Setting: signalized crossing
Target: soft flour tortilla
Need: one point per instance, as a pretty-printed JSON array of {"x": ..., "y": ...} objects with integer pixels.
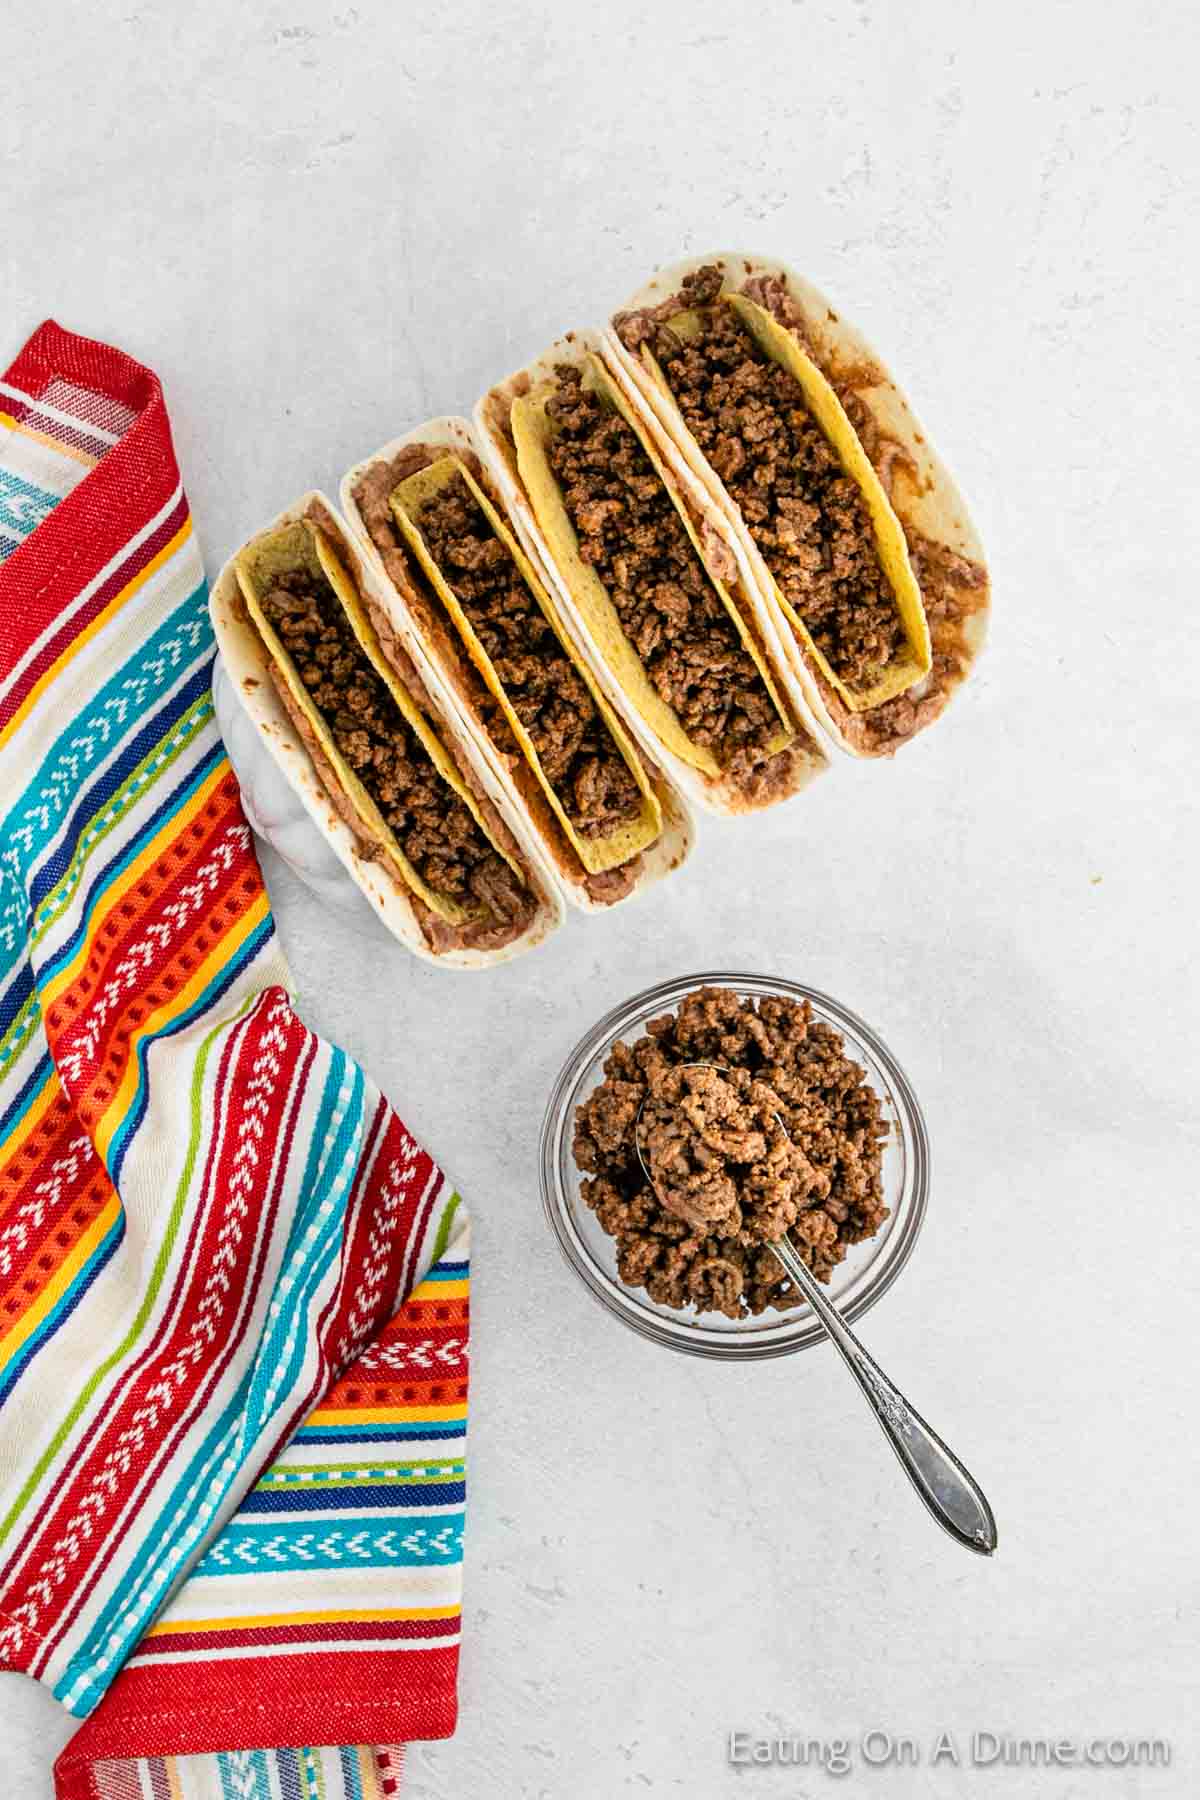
[
  {"x": 927, "y": 544},
  {"x": 515, "y": 427},
  {"x": 434, "y": 926}
]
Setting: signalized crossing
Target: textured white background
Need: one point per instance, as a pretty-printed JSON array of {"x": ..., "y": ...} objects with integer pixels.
[{"x": 321, "y": 224}]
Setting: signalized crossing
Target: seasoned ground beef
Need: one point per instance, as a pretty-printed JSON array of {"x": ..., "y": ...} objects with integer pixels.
[
  {"x": 630, "y": 532},
  {"x": 581, "y": 760},
  {"x": 717, "y": 1153},
  {"x": 436, "y": 830},
  {"x": 808, "y": 518},
  {"x": 784, "y": 1135},
  {"x": 373, "y": 496}
]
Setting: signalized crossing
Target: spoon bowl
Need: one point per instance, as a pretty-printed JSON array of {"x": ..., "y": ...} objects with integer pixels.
[{"x": 944, "y": 1484}]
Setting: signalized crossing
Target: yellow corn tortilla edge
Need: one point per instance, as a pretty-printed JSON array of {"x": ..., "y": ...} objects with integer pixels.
[{"x": 406, "y": 500}]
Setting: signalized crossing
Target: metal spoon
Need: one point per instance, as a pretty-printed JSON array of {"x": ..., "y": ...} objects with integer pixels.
[{"x": 948, "y": 1489}]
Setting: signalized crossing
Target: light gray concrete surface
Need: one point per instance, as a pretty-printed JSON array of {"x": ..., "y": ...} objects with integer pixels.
[{"x": 321, "y": 224}]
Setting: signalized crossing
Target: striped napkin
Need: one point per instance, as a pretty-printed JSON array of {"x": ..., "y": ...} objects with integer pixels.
[{"x": 233, "y": 1289}]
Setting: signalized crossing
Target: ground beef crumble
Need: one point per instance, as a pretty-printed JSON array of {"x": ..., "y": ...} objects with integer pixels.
[
  {"x": 808, "y": 518},
  {"x": 630, "y": 532},
  {"x": 372, "y": 495},
  {"x": 578, "y": 753},
  {"x": 437, "y": 831},
  {"x": 785, "y": 1135}
]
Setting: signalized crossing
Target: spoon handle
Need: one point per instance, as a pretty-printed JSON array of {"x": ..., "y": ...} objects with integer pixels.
[{"x": 950, "y": 1491}]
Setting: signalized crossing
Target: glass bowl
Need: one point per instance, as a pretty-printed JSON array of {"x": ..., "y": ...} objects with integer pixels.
[{"x": 870, "y": 1267}]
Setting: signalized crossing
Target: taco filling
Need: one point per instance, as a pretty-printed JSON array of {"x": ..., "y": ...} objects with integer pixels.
[
  {"x": 586, "y": 766},
  {"x": 811, "y": 520},
  {"x": 465, "y": 891},
  {"x": 372, "y": 496},
  {"x": 695, "y": 1169},
  {"x": 631, "y": 534}
]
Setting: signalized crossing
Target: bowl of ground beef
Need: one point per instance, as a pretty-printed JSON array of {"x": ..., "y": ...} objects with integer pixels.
[{"x": 702, "y": 1119}]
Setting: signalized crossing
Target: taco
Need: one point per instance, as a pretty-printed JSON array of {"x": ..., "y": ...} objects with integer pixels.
[
  {"x": 404, "y": 800},
  {"x": 462, "y": 592},
  {"x": 646, "y": 567},
  {"x": 860, "y": 543}
]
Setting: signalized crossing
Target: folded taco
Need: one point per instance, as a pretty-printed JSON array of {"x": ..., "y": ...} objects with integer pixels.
[
  {"x": 463, "y": 592},
  {"x": 860, "y": 543},
  {"x": 404, "y": 799},
  {"x": 646, "y": 566}
]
